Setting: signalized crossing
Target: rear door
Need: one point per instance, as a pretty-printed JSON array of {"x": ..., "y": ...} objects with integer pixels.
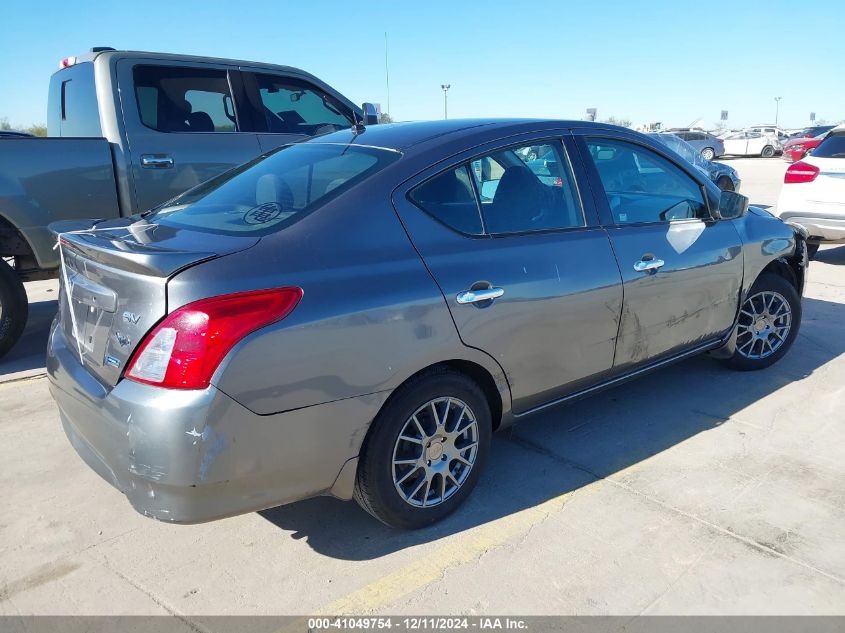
[
  {"x": 527, "y": 273},
  {"x": 288, "y": 108},
  {"x": 682, "y": 271},
  {"x": 184, "y": 123}
]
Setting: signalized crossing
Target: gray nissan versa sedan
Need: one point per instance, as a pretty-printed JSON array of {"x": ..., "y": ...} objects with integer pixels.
[{"x": 356, "y": 314}]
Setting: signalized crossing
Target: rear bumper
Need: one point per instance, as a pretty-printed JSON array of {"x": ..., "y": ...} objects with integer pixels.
[
  {"x": 819, "y": 228},
  {"x": 194, "y": 456}
]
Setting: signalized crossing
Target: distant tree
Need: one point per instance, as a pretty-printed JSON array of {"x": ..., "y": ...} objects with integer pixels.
[
  {"x": 384, "y": 117},
  {"x": 4, "y": 124},
  {"x": 612, "y": 120},
  {"x": 37, "y": 129}
]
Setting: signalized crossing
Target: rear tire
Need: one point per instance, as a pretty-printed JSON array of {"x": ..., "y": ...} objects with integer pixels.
[
  {"x": 410, "y": 483},
  {"x": 768, "y": 323},
  {"x": 708, "y": 153},
  {"x": 768, "y": 151},
  {"x": 14, "y": 307}
]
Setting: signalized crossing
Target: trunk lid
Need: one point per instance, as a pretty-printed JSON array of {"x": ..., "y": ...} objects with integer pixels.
[{"x": 113, "y": 286}]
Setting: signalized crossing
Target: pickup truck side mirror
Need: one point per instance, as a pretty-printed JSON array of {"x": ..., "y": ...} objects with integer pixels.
[
  {"x": 731, "y": 206},
  {"x": 370, "y": 114}
]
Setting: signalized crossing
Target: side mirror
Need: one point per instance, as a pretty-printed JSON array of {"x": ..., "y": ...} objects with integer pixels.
[
  {"x": 370, "y": 114},
  {"x": 731, "y": 206}
]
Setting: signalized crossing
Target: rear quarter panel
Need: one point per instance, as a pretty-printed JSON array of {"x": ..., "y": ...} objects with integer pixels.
[
  {"x": 43, "y": 180},
  {"x": 371, "y": 315}
]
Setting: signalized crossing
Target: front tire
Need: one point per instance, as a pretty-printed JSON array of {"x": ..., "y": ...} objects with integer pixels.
[
  {"x": 812, "y": 249},
  {"x": 708, "y": 153},
  {"x": 425, "y": 450},
  {"x": 768, "y": 323},
  {"x": 768, "y": 151}
]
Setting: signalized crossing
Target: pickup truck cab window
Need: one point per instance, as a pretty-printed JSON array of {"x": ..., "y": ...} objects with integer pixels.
[
  {"x": 290, "y": 106},
  {"x": 642, "y": 186},
  {"x": 174, "y": 99}
]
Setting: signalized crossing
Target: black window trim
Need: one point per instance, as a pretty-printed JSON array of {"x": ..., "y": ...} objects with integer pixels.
[
  {"x": 232, "y": 94},
  {"x": 465, "y": 163},
  {"x": 613, "y": 224}
]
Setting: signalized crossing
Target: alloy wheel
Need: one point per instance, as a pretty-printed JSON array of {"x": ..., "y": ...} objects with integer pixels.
[
  {"x": 764, "y": 324},
  {"x": 435, "y": 452}
]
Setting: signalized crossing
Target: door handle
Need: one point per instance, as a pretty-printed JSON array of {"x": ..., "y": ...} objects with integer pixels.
[
  {"x": 156, "y": 161},
  {"x": 647, "y": 265},
  {"x": 483, "y": 294}
]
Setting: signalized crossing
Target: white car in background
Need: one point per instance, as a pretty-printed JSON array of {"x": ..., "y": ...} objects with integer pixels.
[
  {"x": 813, "y": 193},
  {"x": 751, "y": 143}
]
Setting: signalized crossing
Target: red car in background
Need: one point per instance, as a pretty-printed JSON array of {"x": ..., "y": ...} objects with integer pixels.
[{"x": 796, "y": 148}]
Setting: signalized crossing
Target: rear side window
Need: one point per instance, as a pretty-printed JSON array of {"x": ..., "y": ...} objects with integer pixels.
[
  {"x": 273, "y": 191},
  {"x": 449, "y": 198},
  {"x": 173, "y": 99},
  {"x": 517, "y": 190},
  {"x": 295, "y": 107},
  {"x": 831, "y": 147},
  {"x": 642, "y": 186}
]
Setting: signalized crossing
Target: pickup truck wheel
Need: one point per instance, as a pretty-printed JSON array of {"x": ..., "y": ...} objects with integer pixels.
[
  {"x": 425, "y": 451},
  {"x": 14, "y": 307},
  {"x": 768, "y": 323}
]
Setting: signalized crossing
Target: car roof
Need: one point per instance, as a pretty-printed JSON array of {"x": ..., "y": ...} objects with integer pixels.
[{"x": 403, "y": 136}]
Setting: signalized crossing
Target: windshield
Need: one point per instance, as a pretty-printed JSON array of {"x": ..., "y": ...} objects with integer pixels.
[{"x": 274, "y": 191}]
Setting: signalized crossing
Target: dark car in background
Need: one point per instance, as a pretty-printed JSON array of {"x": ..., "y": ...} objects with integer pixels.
[
  {"x": 724, "y": 176},
  {"x": 14, "y": 134},
  {"x": 812, "y": 132},
  {"x": 351, "y": 315},
  {"x": 705, "y": 143}
]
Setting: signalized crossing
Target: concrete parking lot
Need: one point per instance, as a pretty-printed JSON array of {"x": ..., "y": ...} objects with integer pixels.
[{"x": 696, "y": 490}]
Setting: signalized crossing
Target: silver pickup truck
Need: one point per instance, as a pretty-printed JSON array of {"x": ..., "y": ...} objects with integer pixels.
[{"x": 129, "y": 130}]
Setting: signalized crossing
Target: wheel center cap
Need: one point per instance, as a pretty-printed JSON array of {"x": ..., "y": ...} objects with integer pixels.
[
  {"x": 760, "y": 325},
  {"x": 434, "y": 451}
]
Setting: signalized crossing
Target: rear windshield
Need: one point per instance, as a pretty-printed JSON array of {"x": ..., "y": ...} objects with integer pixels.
[
  {"x": 831, "y": 147},
  {"x": 274, "y": 191}
]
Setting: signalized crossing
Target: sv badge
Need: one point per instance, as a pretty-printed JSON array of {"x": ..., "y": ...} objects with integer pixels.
[{"x": 131, "y": 317}]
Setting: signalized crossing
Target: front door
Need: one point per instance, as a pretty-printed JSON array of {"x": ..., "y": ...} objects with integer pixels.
[
  {"x": 528, "y": 277},
  {"x": 682, "y": 271},
  {"x": 183, "y": 127}
]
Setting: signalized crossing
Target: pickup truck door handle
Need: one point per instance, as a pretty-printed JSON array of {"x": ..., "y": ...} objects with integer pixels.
[
  {"x": 156, "y": 161},
  {"x": 483, "y": 294},
  {"x": 648, "y": 263}
]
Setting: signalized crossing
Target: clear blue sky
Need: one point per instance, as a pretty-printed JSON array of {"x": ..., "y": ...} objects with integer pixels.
[{"x": 662, "y": 60}]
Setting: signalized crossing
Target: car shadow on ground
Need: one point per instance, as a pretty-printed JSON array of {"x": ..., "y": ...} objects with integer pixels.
[
  {"x": 831, "y": 256},
  {"x": 30, "y": 350},
  {"x": 562, "y": 450}
]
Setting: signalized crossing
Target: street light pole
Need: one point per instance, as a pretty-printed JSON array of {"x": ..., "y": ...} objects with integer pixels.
[
  {"x": 777, "y": 109},
  {"x": 445, "y": 88}
]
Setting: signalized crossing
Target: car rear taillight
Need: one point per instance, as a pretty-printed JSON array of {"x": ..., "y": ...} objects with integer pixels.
[
  {"x": 800, "y": 172},
  {"x": 184, "y": 350}
]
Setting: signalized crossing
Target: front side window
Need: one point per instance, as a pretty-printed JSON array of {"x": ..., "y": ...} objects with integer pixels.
[
  {"x": 291, "y": 106},
  {"x": 642, "y": 186},
  {"x": 174, "y": 99},
  {"x": 273, "y": 191}
]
